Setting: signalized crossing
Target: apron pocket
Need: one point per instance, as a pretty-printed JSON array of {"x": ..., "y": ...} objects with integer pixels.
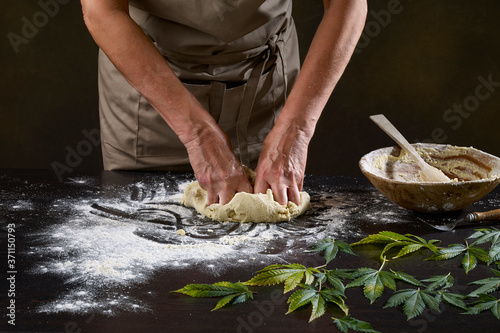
[{"x": 228, "y": 117}]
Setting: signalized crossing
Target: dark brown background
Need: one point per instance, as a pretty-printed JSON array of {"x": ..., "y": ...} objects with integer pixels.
[{"x": 413, "y": 65}]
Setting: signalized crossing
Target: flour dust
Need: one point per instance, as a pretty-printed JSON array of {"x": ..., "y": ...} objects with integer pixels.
[{"x": 107, "y": 245}]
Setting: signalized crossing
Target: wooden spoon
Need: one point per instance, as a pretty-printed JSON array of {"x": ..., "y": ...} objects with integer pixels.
[{"x": 429, "y": 173}]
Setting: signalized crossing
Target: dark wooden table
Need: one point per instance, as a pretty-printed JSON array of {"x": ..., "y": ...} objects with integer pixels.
[{"x": 63, "y": 228}]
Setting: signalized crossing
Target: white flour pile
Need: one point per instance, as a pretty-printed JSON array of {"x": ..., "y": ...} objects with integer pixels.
[{"x": 108, "y": 256}]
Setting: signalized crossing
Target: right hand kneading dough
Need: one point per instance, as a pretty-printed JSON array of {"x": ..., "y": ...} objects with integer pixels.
[{"x": 244, "y": 207}]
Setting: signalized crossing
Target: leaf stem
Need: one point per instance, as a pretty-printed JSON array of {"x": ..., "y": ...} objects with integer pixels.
[{"x": 384, "y": 260}]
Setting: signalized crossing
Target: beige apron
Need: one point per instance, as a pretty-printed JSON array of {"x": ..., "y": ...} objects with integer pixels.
[{"x": 238, "y": 58}]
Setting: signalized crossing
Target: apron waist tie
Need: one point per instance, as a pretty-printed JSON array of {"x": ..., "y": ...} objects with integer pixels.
[
  {"x": 248, "y": 100},
  {"x": 246, "y": 110}
]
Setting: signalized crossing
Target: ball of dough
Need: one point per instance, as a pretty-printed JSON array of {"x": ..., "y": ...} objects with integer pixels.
[{"x": 244, "y": 207}]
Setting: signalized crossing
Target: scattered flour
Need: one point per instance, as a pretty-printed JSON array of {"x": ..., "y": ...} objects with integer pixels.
[
  {"x": 105, "y": 247},
  {"x": 23, "y": 205}
]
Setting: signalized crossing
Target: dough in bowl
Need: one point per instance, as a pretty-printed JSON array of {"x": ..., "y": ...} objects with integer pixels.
[{"x": 244, "y": 207}]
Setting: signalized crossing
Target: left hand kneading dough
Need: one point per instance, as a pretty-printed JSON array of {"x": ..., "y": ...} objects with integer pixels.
[{"x": 244, "y": 207}]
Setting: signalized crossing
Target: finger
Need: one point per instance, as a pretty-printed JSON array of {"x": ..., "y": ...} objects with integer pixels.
[
  {"x": 212, "y": 197},
  {"x": 294, "y": 195},
  {"x": 260, "y": 186},
  {"x": 245, "y": 186},
  {"x": 280, "y": 195},
  {"x": 300, "y": 185},
  {"x": 226, "y": 196}
]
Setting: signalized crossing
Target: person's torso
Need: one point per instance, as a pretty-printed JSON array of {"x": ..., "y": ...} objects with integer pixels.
[{"x": 209, "y": 27}]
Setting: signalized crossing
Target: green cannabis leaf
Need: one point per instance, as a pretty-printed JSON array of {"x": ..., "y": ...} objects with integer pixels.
[
  {"x": 485, "y": 302},
  {"x": 452, "y": 299},
  {"x": 235, "y": 292},
  {"x": 373, "y": 281},
  {"x": 334, "y": 278},
  {"x": 320, "y": 287},
  {"x": 291, "y": 275},
  {"x": 347, "y": 323},
  {"x": 440, "y": 281},
  {"x": 471, "y": 255},
  {"x": 408, "y": 243},
  {"x": 318, "y": 298},
  {"x": 489, "y": 285},
  {"x": 414, "y": 301},
  {"x": 486, "y": 235},
  {"x": 494, "y": 253},
  {"x": 405, "y": 277},
  {"x": 331, "y": 248}
]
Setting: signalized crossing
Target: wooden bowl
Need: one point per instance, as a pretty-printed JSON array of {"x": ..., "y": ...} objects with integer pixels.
[{"x": 474, "y": 174}]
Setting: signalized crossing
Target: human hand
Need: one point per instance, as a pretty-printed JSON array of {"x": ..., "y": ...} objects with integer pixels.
[
  {"x": 216, "y": 167},
  {"x": 282, "y": 164}
]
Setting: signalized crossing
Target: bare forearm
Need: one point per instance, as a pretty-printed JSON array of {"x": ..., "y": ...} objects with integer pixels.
[
  {"x": 135, "y": 56},
  {"x": 328, "y": 56}
]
